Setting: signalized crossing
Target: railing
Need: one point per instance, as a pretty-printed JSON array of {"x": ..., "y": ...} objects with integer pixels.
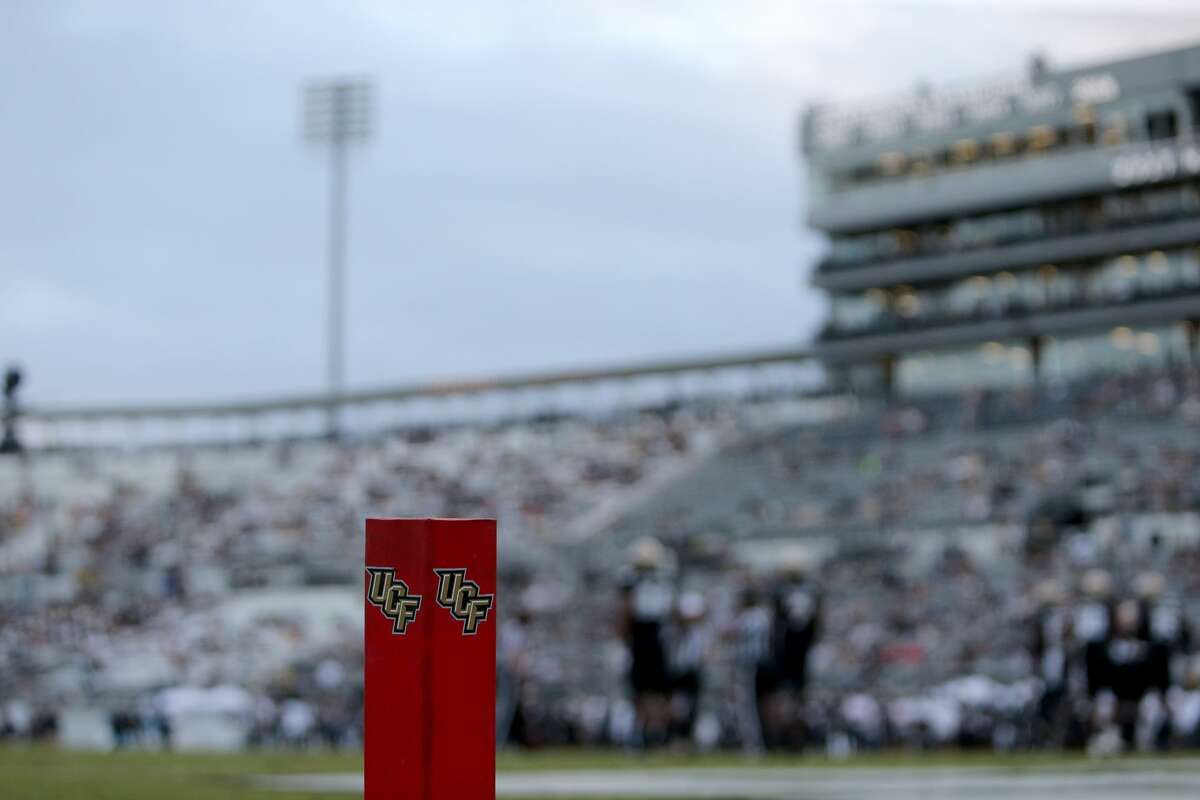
[
  {"x": 483, "y": 398},
  {"x": 1014, "y": 309},
  {"x": 1064, "y": 224}
]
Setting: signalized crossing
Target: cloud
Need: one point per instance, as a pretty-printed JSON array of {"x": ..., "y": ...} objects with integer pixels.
[
  {"x": 36, "y": 306},
  {"x": 550, "y": 183}
]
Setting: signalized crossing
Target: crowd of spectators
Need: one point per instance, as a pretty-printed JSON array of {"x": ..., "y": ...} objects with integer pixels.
[
  {"x": 126, "y": 576},
  {"x": 164, "y": 586},
  {"x": 1107, "y": 445}
]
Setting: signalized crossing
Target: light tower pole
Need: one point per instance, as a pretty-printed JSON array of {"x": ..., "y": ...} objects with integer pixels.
[{"x": 337, "y": 113}]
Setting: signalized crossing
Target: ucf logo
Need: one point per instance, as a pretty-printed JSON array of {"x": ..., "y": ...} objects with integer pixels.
[
  {"x": 462, "y": 598},
  {"x": 391, "y": 596}
]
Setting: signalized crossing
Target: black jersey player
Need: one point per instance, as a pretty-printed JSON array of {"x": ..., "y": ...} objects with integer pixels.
[
  {"x": 796, "y": 613},
  {"x": 648, "y": 600}
]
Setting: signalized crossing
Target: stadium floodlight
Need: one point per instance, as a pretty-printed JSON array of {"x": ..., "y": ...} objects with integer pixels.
[{"x": 337, "y": 113}]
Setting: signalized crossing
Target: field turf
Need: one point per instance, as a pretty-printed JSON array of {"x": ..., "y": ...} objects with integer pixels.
[{"x": 37, "y": 773}]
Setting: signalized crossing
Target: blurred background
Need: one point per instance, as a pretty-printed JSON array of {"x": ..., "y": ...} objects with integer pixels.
[{"x": 832, "y": 369}]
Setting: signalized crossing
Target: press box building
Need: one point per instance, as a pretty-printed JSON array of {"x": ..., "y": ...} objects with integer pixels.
[{"x": 1038, "y": 227}]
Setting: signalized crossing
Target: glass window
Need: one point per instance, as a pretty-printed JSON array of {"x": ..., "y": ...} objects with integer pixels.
[
  {"x": 1161, "y": 124},
  {"x": 991, "y": 364},
  {"x": 1061, "y": 285},
  {"x": 1041, "y": 137},
  {"x": 892, "y": 164},
  {"x": 853, "y": 312},
  {"x": 1156, "y": 276},
  {"x": 1114, "y": 130},
  {"x": 1002, "y": 144},
  {"x": 1188, "y": 266},
  {"x": 964, "y": 151},
  {"x": 1115, "y": 280}
]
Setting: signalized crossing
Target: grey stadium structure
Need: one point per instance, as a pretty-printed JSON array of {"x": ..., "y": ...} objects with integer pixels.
[{"x": 1034, "y": 228}]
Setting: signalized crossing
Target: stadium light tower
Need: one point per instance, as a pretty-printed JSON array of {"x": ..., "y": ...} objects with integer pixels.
[{"x": 337, "y": 113}]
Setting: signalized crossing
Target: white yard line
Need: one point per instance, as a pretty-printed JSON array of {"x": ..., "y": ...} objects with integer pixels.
[{"x": 1127, "y": 781}]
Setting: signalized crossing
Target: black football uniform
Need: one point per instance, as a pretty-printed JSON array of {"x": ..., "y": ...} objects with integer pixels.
[
  {"x": 650, "y": 598},
  {"x": 797, "y": 612}
]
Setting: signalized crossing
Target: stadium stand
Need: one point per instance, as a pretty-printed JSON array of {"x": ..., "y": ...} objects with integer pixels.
[{"x": 206, "y": 596}]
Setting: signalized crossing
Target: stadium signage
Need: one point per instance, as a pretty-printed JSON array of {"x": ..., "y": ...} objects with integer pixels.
[
  {"x": 392, "y": 596},
  {"x": 1101, "y": 87},
  {"x": 456, "y": 593},
  {"x": 1154, "y": 164},
  {"x": 463, "y": 599}
]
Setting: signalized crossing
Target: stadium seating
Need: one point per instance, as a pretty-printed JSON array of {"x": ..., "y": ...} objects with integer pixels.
[{"x": 129, "y": 575}]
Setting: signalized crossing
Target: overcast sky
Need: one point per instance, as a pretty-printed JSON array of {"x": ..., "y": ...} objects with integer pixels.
[{"x": 551, "y": 183}]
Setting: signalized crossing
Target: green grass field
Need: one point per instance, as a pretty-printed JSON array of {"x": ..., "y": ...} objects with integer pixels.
[{"x": 37, "y": 773}]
